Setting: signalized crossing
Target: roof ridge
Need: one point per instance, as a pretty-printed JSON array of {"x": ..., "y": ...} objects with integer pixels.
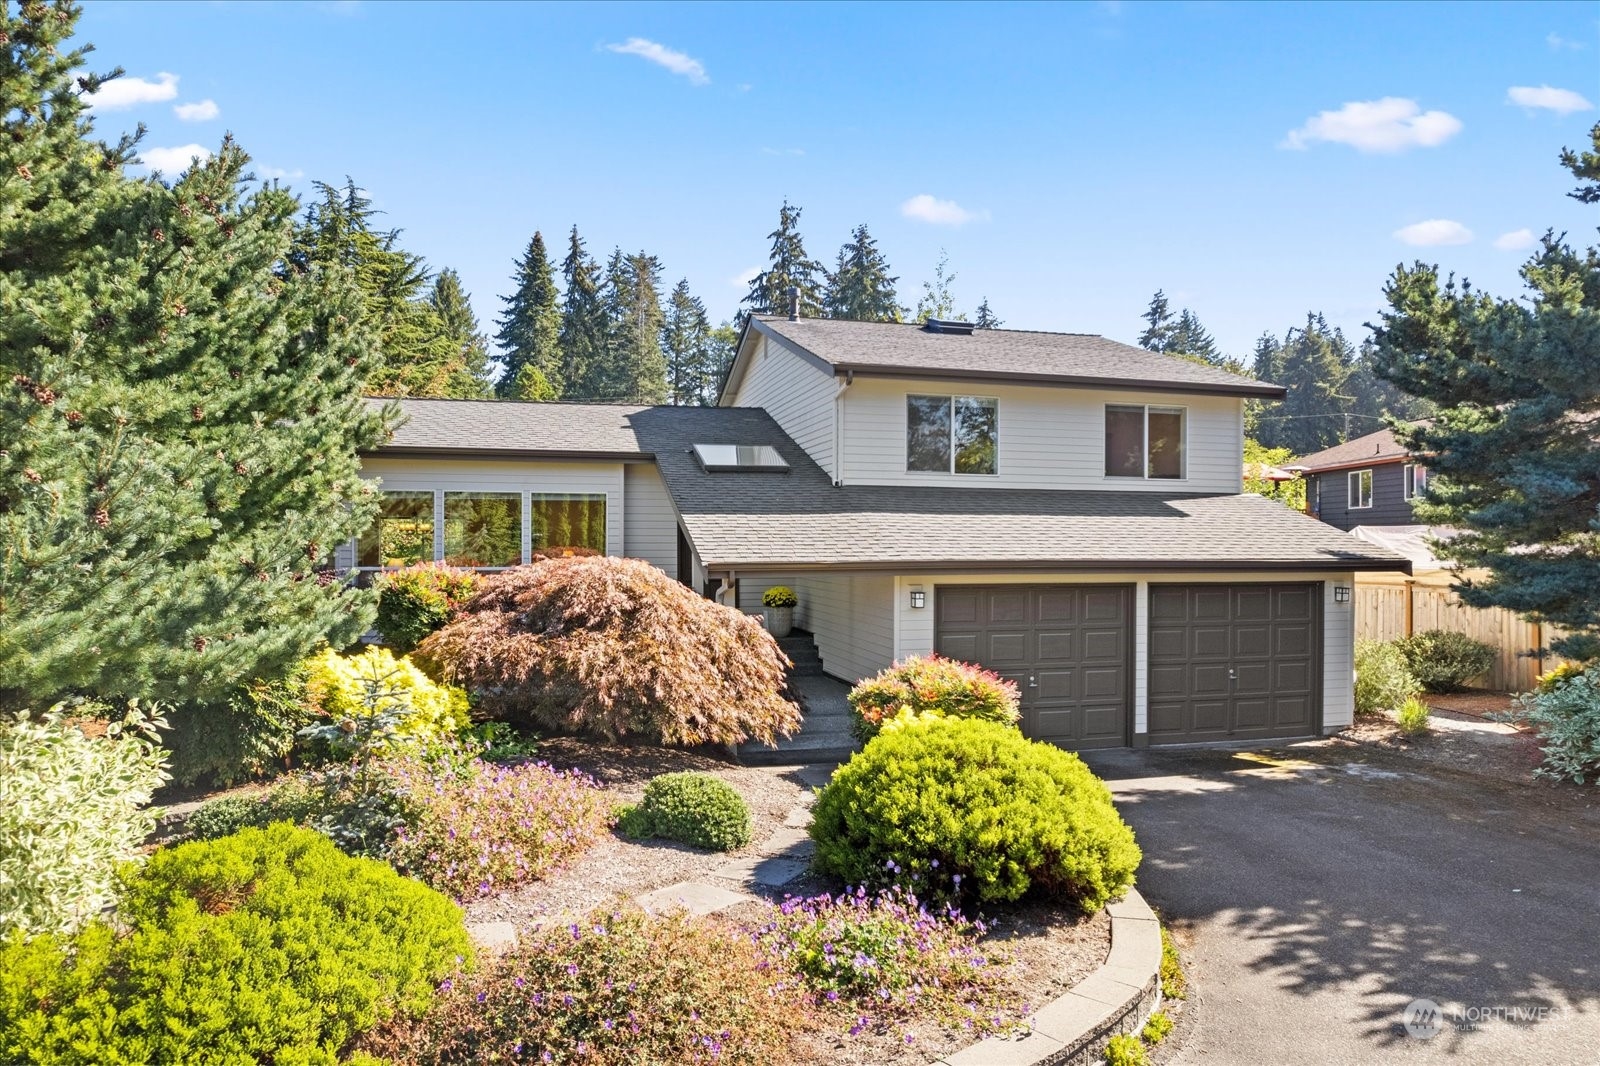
[{"x": 919, "y": 325}]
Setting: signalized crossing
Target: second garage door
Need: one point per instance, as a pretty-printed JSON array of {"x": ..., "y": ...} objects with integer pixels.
[
  {"x": 1234, "y": 662},
  {"x": 1068, "y": 648}
]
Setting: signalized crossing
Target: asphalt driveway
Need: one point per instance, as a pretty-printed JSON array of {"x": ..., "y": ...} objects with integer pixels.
[{"x": 1322, "y": 890}]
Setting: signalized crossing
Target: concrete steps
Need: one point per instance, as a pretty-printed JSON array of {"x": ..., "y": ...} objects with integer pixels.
[{"x": 824, "y": 735}]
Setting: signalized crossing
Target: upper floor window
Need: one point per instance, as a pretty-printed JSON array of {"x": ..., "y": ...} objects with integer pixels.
[
  {"x": 952, "y": 434},
  {"x": 1414, "y": 477},
  {"x": 1360, "y": 489},
  {"x": 1145, "y": 441}
]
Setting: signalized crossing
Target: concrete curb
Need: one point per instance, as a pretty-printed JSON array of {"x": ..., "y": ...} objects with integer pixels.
[{"x": 1116, "y": 998}]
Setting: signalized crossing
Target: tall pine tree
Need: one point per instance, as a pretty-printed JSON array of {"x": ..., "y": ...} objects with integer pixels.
[
  {"x": 453, "y": 307},
  {"x": 180, "y": 411},
  {"x": 1160, "y": 324},
  {"x": 690, "y": 349},
  {"x": 1313, "y": 366},
  {"x": 583, "y": 323},
  {"x": 529, "y": 333},
  {"x": 861, "y": 288},
  {"x": 1512, "y": 442},
  {"x": 787, "y": 265},
  {"x": 633, "y": 368},
  {"x": 985, "y": 318}
]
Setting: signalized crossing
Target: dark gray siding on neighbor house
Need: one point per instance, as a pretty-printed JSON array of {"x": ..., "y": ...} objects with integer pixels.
[{"x": 1389, "y": 505}]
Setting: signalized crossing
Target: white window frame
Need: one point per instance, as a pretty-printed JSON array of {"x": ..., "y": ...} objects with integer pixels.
[
  {"x": 1144, "y": 465},
  {"x": 527, "y": 523},
  {"x": 1412, "y": 480},
  {"x": 1353, "y": 490},
  {"x": 950, "y": 416}
]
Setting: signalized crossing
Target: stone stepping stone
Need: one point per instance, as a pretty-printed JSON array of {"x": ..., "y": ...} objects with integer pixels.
[
  {"x": 770, "y": 872},
  {"x": 494, "y": 938},
  {"x": 789, "y": 843},
  {"x": 798, "y": 818},
  {"x": 693, "y": 896}
]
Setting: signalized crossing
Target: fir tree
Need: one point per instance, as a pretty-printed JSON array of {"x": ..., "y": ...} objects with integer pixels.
[
  {"x": 690, "y": 349},
  {"x": 529, "y": 334},
  {"x": 860, "y": 288},
  {"x": 1190, "y": 338},
  {"x": 985, "y": 318},
  {"x": 787, "y": 265},
  {"x": 1160, "y": 324},
  {"x": 180, "y": 412},
  {"x": 453, "y": 306},
  {"x": 937, "y": 299},
  {"x": 634, "y": 368},
  {"x": 1512, "y": 443},
  {"x": 1316, "y": 413},
  {"x": 583, "y": 322},
  {"x": 724, "y": 347}
]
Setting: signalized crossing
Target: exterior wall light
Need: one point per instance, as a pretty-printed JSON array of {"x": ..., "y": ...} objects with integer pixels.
[
  {"x": 1341, "y": 594},
  {"x": 919, "y": 598}
]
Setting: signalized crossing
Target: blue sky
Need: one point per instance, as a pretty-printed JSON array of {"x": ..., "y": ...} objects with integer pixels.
[{"x": 1255, "y": 161}]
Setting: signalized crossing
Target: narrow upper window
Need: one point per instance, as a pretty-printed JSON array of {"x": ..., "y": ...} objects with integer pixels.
[
  {"x": 1145, "y": 441},
  {"x": 1360, "y": 489},
  {"x": 1413, "y": 477},
  {"x": 952, "y": 434}
]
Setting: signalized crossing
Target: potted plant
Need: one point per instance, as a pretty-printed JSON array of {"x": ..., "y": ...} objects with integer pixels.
[{"x": 777, "y": 609}]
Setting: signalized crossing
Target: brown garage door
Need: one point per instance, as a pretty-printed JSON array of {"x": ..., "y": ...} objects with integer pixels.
[
  {"x": 1068, "y": 648},
  {"x": 1234, "y": 662}
]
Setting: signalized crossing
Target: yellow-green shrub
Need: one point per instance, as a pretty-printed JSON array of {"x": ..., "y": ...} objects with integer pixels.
[{"x": 375, "y": 683}]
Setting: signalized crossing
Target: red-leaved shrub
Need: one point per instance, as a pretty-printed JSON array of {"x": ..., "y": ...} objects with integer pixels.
[
  {"x": 932, "y": 683},
  {"x": 614, "y": 647}
]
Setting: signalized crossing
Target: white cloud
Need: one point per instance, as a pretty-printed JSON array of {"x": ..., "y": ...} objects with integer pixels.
[
  {"x": 1391, "y": 124},
  {"x": 280, "y": 173},
  {"x": 204, "y": 111},
  {"x": 1561, "y": 101},
  {"x": 1559, "y": 43},
  {"x": 119, "y": 94},
  {"x": 173, "y": 160},
  {"x": 1516, "y": 241},
  {"x": 659, "y": 54},
  {"x": 783, "y": 151},
  {"x": 925, "y": 208},
  {"x": 1434, "y": 232}
]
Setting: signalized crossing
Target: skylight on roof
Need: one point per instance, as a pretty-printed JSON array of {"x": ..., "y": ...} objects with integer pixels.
[{"x": 717, "y": 458}]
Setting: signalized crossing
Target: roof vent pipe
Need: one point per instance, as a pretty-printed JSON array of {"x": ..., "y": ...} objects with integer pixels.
[{"x": 793, "y": 292}]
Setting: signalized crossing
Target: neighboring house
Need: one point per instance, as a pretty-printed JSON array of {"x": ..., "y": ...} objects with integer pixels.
[
  {"x": 1369, "y": 481},
  {"x": 1059, "y": 507}
]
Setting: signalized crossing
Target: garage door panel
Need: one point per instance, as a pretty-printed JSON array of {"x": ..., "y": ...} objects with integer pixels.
[
  {"x": 1292, "y": 639},
  {"x": 1209, "y": 679},
  {"x": 1291, "y": 710},
  {"x": 1007, "y": 648},
  {"x": 1103, "y": 722},
  {"x": 1168, "y": 680},
  {"x": 1167, "y": 718},
  {"x": 1104, "y": 645},
  {"x": 1058, "y": 605},
  {"x": 1105, "y": 606},
  {"x": 1103, "y": 682},
  {"x": 1056, "y": 645},
  {"x": 1056, "y": 684},
  {"x": 1168, "y": 643},
  {"x": 1292, "y": 677},
  {"x": 1298, "y": 604},
  {"x": 958, "y": 606},
  {"x": 1007, "y": 608},
  {"x": 1251, "y": 715},
  {"x": 962, "y": 646},
  {"x": 1209, "y": 716},
  {"x": 1210, "y": 605},
  {"x": 1210, "y": 642},
  {"x": 1252, "y": 641},
  {"x": 1168, "y": 605},
  {"x": 1251, "y": 678},
  {"x": 1252, "y": 605}
]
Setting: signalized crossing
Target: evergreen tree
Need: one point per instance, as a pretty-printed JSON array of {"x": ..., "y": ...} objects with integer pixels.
[
  {"x": 787, "y": 265},
  {"x": 1512, "y": 443},
  {"x": 1190, "y": 338},
  {"x": 583, "y": 323},
  {"x": 1160, "y": 324},
  {"x": 453, "y": 306},
  {"x": 724, "y": 347},
  {"x": 529, "y": 334},
  {"x": 634, "y": 368},
  {"x": 861, "y": 288},
  {"x": 1266, "y": 362},
  {"x": 985, "y": 318},
  {"x": 937, "y": 299},
  {"x": 180, "y": 412},
  {"x": 1316, "y": 413},
  {"x": 693, "y": 355}
]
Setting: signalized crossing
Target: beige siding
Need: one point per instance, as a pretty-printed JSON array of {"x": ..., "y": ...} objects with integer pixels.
[
  {"x": 1050, "y": 438},
  {"x": 797, "y": 394},
  {"x": 650, "y": 524},
  {"x": 914, "y": 627},
  {"x": 851, "y": 616}
]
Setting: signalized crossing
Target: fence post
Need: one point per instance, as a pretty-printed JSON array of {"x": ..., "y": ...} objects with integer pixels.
[{"x": 1410, "y": 609}]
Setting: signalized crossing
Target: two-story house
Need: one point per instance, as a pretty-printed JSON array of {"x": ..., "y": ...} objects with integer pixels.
[
  {"x": 1368, "y": 481},
  {"x": 1061, "y": 508}
]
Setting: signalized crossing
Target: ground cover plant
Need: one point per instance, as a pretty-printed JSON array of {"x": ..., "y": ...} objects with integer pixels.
[
  {"x": 698, "y": 809},
  {"x": 612, "y": 647},
  {"x": 931, "y": 683}
]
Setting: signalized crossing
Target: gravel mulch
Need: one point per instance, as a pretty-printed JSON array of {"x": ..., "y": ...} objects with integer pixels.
[{"x": 1460, "y": 737}]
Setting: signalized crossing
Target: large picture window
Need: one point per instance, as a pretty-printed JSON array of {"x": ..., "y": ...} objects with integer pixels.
[
  {"x": 1360, "y": 489},
  {"x": 952, "y": 434},
  {"x": 1145, "y": 441},
  {"x": 569, "y": 521},
  {"x": 483, "y": 528},
  {"x": 402, "y": 533}
]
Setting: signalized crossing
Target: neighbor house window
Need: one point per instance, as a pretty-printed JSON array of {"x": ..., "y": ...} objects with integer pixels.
[
  {"x": 1360, "y": 489},
  {"x": 1413, "y": 477},
  {"x": 1144, "y": 441},
  {"x": 483, "y": 529},
  {"x": 402, "y": 533},
  {"x": 569, "y": 522},
  {"x": 952, "y": 434}
]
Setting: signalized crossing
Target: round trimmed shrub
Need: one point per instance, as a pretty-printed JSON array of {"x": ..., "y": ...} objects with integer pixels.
[
  {"x": 1443, "y": 660},
  {"x": 1383, "y": 678},
  {"x": 932, "y": 683},
  {"x": 974, "y": 809},
  {"x": 420, "y": 600},
  {"x": 692, "y": 808},
  {"x": 614, "y": 647},
  {"x": 267, "y": 946}
]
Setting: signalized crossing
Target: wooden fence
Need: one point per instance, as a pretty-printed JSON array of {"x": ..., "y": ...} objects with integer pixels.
[{"x": 1390, "y": 606}]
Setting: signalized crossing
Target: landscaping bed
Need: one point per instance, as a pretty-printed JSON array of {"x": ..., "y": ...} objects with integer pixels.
[{"x": 1458, "y": 739}]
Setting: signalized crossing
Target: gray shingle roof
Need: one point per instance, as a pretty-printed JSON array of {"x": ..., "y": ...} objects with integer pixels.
[
  {"x": 1379, "y": 447},
  {"x": 1004, "y": 354},
  {"x": 488, "y": 427}
]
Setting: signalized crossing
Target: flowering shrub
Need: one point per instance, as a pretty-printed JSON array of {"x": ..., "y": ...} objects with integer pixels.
[
  {"x": 1558, "y": 675},
  {"x": 887, "y": 957},
  {"x": 266, "y": 946},
  {"x": 72, "y": 806},
  {"x": 484, "y": 828},
  {"x": 615, "y": 988},
  {"x": 379, "y": 702},
  {"x": 613, "y": 647},
  {"x": 779, "y": 596},
  {"x": 932, "y": 683},
  {"x": 1567, "y": 718},
  {"x": 698, "y": 809},
  {"x": 974, "y": 809},
  {"x": 421, "y": 599}
]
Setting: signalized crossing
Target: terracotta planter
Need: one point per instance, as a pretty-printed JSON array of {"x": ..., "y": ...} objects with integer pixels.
[{"x": 778, "y": 620}]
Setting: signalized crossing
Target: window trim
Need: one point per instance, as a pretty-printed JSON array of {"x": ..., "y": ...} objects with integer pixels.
[
  {"x": 1353, "y": 492},
  {"x": 527, "y": 545},
  {"x": 950, "y": 421},
  {"x": 1144, "y": 464},
  {"x": 1412, "y": 480}
]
